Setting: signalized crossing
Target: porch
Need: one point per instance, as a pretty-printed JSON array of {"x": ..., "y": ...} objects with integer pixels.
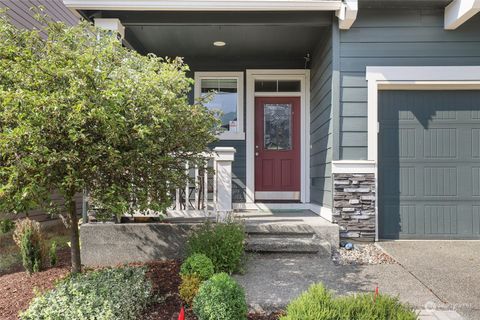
[{"x": 270, "y": 73}]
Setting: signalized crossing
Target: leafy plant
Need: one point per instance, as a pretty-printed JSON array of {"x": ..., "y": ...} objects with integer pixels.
[
  {"x": 220, "y": 298},
  {"x": 223, "y": 243},
  {"x": 28, "y": 237},
  {"x": 320, "y": 304},
  {"x": 109, "y": 294},
  {"x": 52, "y": 254},
  {"x": 78, "y": 111},
  {"x": 6, "y": 225},
  {"x": 31, "y": 252},
  {"x": 189, "y": 288},
  {"x": 198, "y": 265}
]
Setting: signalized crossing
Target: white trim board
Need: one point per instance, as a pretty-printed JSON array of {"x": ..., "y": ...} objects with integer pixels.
[
  {"x": 353, "y": 166},
  {"x": 410, "y": 78},
  {"x": 206, "y": 5},
  {"x": 460, "y": 11},
  {"x": 290, "y": 74}
]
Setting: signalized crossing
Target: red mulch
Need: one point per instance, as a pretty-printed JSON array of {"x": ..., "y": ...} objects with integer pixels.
[
  {"x": 17, "y": 289},
  {"x": 165, "y": 278}
]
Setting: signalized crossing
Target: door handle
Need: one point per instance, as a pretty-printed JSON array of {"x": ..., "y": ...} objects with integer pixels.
[{"x": 256, "y": 154}]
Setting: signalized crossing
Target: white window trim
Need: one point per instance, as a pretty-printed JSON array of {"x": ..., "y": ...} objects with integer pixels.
[
  {"x": 295, "y": 74},
  {"x": 410, "y": 78},
  {"x": 240, "y": 134}
]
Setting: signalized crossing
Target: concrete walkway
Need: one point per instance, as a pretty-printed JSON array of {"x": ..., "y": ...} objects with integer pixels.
[
  {"x": 450, "y": 269},
  {"x": 272, "y": 280}
]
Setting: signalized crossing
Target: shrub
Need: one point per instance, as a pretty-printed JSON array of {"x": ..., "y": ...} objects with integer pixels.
[
  {"x": 6, "y": 225},
  {"x": 223, "y": 243},
  {"x": 320, "y": 304},
  {"x": 189, "y": 288},
  {"x": 31, "y": 252},
  {"x": 28, "y": 237},
  {"x": 109, "y": 294},
  {"x": 199, "y": 265},
  {"x": 220, "y": 298},
  {"x": 52, "y": 254}
]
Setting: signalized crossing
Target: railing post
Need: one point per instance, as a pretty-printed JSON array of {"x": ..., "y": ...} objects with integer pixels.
[{"x": 224, "y": 157}]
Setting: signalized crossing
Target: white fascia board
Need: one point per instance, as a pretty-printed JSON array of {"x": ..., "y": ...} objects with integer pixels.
[
  {"x": 206, "y": 5},
  {"x": 347, "y": 14},
  {"x": 459, "y": 11}
]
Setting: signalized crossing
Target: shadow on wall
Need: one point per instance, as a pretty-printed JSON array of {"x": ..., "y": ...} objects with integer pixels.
[{"x": 421, "y": 133}]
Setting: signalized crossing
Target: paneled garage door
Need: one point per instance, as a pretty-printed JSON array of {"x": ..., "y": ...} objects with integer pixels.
[{"x": 429, "y": 164}]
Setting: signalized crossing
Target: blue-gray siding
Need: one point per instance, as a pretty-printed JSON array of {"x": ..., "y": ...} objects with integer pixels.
[
  {"x": 321, "y": 137},
  {"x": 394, "y": 38},
  {"x": 22, "y": 16}
]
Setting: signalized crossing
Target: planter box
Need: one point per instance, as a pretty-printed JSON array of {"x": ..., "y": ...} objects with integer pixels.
[{"x": 108, "y": 244}]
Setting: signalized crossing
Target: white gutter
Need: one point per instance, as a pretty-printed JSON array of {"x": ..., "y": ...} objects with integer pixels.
[
  {"x": 208, "y": 5},
  {"x": 460, "y": 11}
]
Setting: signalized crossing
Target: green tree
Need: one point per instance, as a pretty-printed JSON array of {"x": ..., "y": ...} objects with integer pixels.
[{"x": 80, "y": 112}]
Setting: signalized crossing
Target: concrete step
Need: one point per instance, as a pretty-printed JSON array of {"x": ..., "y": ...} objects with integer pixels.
[
  {"x": 285, "y": 228},
  {"x": 282, "y": 243}
]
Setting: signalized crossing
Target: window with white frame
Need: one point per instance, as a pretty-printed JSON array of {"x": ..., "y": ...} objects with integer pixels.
[{"x": 225, "y": 91}]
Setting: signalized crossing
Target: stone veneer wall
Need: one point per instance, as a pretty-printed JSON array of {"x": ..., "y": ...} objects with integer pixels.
[{"x": 354, "y": 205}]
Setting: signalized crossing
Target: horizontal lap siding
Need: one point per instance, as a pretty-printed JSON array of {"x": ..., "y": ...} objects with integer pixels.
[
  {"x": 394, "y": 38},
  {"x": 321, "y": 124},
  {"x": 22, "y": 15}
]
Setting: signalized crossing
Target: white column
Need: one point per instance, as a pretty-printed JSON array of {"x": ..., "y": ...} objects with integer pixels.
[
  {"x": 224, "y": 157},
  {"x": 111, "y": 24}
]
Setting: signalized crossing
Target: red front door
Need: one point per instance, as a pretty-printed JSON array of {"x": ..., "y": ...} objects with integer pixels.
[{"x": 277, "y": 148}]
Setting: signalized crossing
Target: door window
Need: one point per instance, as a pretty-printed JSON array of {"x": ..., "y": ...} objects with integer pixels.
[{"x": 277, "y": 127}]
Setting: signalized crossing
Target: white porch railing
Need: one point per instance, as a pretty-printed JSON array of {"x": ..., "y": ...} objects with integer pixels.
[{"x": 207, "y": 192}]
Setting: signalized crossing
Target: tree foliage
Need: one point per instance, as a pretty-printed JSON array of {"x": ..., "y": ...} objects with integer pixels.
[{"x": 80, "y": 112}]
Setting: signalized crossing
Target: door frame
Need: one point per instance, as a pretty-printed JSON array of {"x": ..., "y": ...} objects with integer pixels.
[
  {"x": 303, "y": 75},
  {"x": 409, "y": 78}
]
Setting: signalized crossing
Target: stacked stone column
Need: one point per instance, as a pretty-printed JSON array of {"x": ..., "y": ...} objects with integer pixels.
[{"x": 354, "y": 205}]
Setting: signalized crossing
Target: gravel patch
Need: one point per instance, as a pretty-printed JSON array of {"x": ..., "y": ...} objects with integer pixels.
[{"x": 361, "y": 254}]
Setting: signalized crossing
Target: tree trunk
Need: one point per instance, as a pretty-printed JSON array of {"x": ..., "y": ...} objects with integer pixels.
[{"x": 74, "y": 236}]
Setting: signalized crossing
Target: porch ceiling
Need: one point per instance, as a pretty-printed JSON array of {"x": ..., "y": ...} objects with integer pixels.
[{"x": 279, "y": 38}]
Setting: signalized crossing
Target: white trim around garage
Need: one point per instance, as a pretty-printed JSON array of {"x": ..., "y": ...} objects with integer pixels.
[
  {"x": 295, "y": 74},
  {"x": 413, "y": 78},
  {"x": 410, "y": 78}
]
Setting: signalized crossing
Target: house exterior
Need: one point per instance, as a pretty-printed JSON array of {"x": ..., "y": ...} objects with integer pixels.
[
  {"x": 366, "y": 112},
  {"x": 22, "y": 14}
]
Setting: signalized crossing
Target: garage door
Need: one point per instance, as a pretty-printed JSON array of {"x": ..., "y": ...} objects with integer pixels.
[{"x": 429, "y": 165}]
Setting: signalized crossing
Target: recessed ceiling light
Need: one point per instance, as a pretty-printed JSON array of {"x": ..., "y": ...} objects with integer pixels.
[{"x": 219, "y": 44}]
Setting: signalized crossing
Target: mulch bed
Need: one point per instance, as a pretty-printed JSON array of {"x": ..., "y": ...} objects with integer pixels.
[
  {"x": 165, "y": 278},
  {"x": 17, "y": 288}
]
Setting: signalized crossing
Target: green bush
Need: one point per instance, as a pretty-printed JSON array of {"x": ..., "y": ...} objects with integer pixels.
[
  {"x": 31, "y": 252},
  {"x": 220, "y": 298},
  {"x": 223, "y": 243},
  {"x": 199, "y": 265},
  {"x": 320, "y": 304},
  {"x": 52, "y": 254},
  {"x": 109, "y": 294},
  {"x": 6, "y": 225},
  {"x": 189, "y": 288}
]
